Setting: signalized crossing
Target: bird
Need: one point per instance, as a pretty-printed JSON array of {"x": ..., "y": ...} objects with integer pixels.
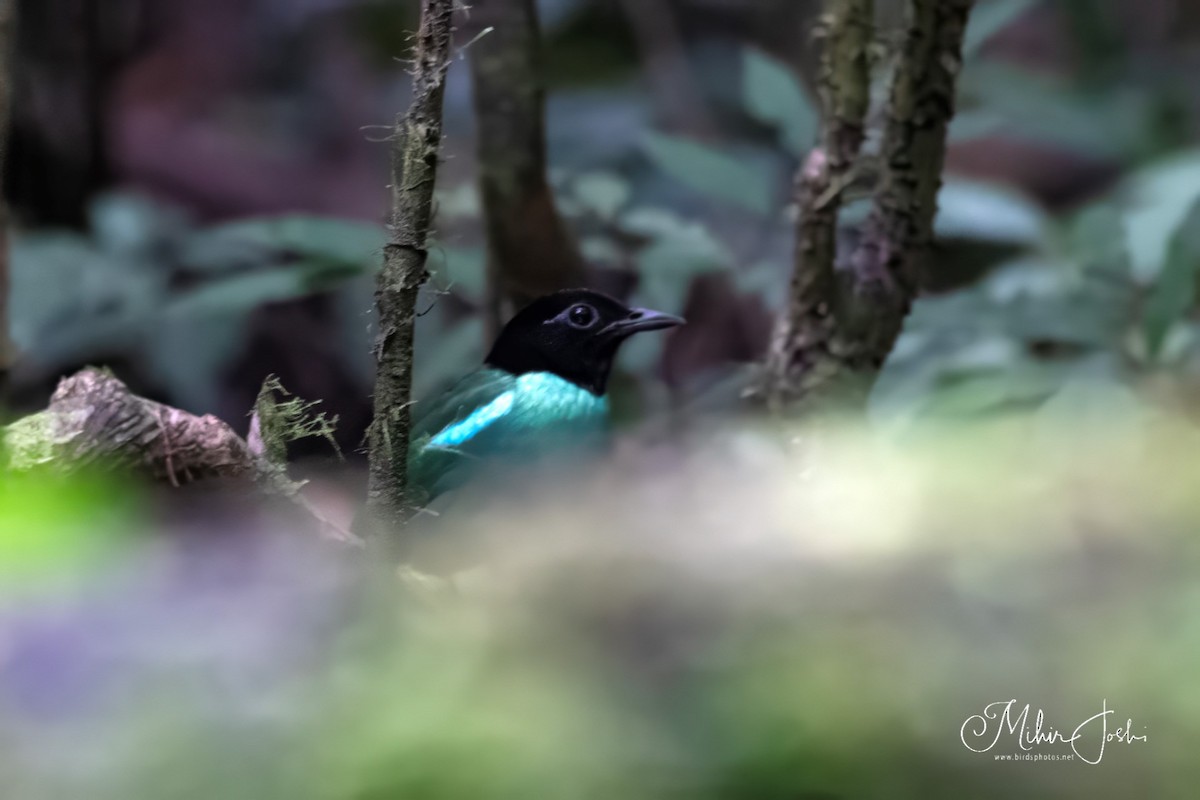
[{"x": 541, "y": 390}]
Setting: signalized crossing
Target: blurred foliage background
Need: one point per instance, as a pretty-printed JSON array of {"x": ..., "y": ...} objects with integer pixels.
[
  {"x": 199, "y": 194},
  {"x": 198, "y": 190}
]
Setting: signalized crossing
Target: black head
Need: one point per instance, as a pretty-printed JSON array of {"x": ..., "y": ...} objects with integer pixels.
[{"x": 574, "y": 334}]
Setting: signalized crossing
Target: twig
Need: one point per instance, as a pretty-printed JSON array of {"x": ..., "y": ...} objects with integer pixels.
[{"x": 415, "y": 147}]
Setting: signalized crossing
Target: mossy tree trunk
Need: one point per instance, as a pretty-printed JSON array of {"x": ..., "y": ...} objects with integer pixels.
[
  {"x": 799, "y": 359},
  {"x": 416, "y": 144},
  {"x": 846, "y": 311}
]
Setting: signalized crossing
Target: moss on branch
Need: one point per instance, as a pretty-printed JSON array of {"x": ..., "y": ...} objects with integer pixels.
[
  {"x": 881, "y": 280},
  {"x": 799, "y": 356},
  {"x": 416, "y": 144},
  {"x": 93, "y": 421}
]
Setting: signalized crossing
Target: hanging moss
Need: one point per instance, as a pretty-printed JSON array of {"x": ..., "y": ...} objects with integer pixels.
[{"x": 279, "y": 422}]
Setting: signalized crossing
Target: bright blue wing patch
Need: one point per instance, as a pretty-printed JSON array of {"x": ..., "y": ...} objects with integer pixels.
[
  {"x": 491, "y": 416},
  {"x": 461, "y": 432}
]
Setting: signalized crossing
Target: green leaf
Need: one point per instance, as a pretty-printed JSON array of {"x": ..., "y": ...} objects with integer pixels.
[
  {"x": 667, "y": 266},
  {"x": 208, "y": 325},
  {"x": 340, "y": 241},
  {"x": 967, "y": 395},
  {"x": 679, "y": 257},
  {"x": 768, "y": 279},
  {"x": 601, "y": 250},
  {"x": 654, "y": 222},
  {"x": 602, "y": 192},
  {"x": 1098, "y": 241},
  {"x": 48, "y": 274},
  {"x": 987, "y": 212},
  {"x": 459, "y": 202},
  {"x": 1174, "y": 293},
  {"x": 1034, "y": 300},
  {"x": 242, "y": 293},
  {"x": 989, "y": 18},
  {"x": 132, "y": 225},
  {"x": 1160, "y": 198},
  {"x": 776, "y": 97},
  {"x": 1039, "y": 108},
  {"x": 460, "y": 269},
  {"x": 72, "y": 302},
  {"x": 711, "y": 172}
]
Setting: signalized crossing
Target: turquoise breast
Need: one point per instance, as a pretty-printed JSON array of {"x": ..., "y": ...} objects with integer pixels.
[
  {"x": 537, "y": 414},
  {"x": 541, "y": 398}
]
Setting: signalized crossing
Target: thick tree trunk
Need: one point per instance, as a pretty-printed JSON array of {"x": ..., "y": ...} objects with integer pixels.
[
  {"x": 531, "y": 252},
  {"x": 416, "y": 143}
]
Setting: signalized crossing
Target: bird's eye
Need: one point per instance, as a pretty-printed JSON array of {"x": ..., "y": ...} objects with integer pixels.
[{"x": 582, "y": 316}]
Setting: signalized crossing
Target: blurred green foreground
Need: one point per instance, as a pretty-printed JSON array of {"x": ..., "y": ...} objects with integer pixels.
[{"x": 721, "y": 620}]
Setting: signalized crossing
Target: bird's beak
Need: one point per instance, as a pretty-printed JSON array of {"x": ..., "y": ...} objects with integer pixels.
[{"x": 644, "y": 319}]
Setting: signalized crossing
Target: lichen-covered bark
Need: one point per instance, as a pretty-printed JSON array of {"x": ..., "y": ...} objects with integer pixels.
[
  {"x": 416, "y": 144},
  {"x": 531, "y": 252},
  {"x": 799, "y": 355},
  {"x": 8, "y": 22},
  {"x": 881, "y": 280},
  {"x": 93, "y": 421},
  {"x": 845, "y": 312}
]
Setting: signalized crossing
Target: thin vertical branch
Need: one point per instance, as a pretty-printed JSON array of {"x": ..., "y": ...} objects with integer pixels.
[
  {"x": 799, "y": 354},
  {"x": 531, "y": 251},
  {"x": 8, "y": 40},
  {"x": 416, "y": 143}
]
